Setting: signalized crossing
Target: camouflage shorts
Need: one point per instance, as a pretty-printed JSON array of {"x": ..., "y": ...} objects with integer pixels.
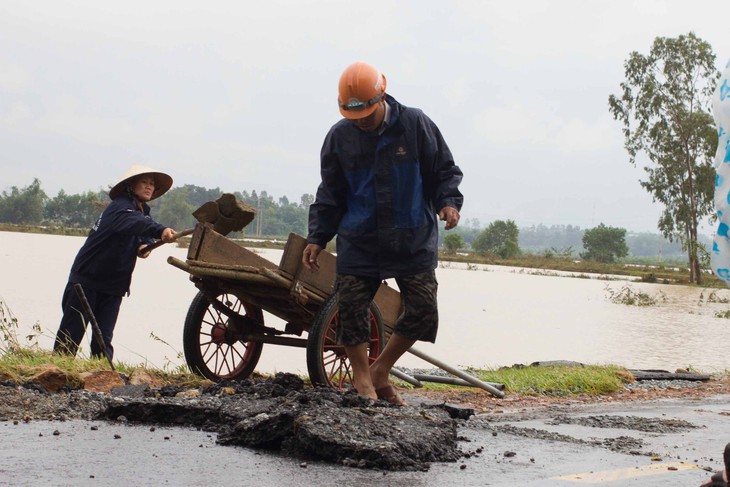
[{"x": 419, "y": 320}]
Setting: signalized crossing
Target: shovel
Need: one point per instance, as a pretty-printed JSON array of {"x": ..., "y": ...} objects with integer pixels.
[{"x": 226, "y": 214}]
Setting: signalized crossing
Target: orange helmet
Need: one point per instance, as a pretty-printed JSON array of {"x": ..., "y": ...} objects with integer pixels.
[{"x": 361, "y": 88}]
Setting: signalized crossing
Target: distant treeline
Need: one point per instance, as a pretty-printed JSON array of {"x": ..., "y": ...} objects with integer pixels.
[
  {"x": 567, "y": 241},
  {"x": 31, "y": 206},
  {"x": 277, "y": 217}
]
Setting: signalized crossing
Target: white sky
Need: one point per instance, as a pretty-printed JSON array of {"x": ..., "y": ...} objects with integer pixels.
[{"x": 239, "y": 95}]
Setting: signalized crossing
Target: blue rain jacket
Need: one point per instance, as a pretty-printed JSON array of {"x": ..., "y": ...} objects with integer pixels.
[
  {"x": 106, "y": 260},
  {"x": 380, "y": 194}
]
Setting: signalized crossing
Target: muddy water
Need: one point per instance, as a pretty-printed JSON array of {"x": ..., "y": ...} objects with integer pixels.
[{"x": 490, "y": 316}]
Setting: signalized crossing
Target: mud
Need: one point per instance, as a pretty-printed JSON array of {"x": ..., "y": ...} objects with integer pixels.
[
  {"x": 276, "y": 414},
  {"x": 311, "y": 424},
  {"x": 619, "y": 444},
  {"x": 649, "y": 425}
]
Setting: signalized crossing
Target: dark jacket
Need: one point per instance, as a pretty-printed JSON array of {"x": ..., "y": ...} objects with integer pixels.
[
  {"x": 106, "y": 260},
  {"x": 381, "y": 194}
]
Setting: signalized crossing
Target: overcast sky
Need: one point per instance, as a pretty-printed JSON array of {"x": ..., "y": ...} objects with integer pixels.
[{"x": 239, "y": 95}]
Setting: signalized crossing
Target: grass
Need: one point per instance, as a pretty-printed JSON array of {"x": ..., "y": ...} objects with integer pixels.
[
  {"x": 560, "y": 380},
  {"x": 557, "y": 381},
  {"x": 50, "y": 229},
  {"x": 19, "y": 362},
  {"x": 21, "y": 359},
  {"x": 628, "y": 296}
]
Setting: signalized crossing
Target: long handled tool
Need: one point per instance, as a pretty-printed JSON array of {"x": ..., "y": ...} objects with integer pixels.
[
  {"x": 151, "y": 247},
  {"x": 226, "y": 214},
  {"x": 94, "y": 325}
]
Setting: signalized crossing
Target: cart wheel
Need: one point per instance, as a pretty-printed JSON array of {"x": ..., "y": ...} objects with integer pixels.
[
  {"x": 327, "y": 362},
  {"x": 209, "y": 349}
]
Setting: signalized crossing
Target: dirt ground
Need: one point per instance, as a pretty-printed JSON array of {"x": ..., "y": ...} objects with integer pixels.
[
  {"x": 284, "y": 415},
  {"x": 17, "y": 403}
]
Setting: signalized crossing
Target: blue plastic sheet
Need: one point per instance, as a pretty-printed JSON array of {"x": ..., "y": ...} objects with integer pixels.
[{"x": 720, "y": 255}]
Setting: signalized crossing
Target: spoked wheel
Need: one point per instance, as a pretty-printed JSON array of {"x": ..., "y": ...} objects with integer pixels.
[
  {"x": 327, "y": 362},
  {"x": 210, "y": 344}
]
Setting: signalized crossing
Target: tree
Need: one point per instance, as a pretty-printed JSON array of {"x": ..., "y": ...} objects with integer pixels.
[
  {"x": 604, "y": 244},
  {"x": 23, "y": 206},
  {"x": 453, "y": 242},
  {"x": 499, "y": 238},
  {"x": 306, "y": 200},
  {"x": 175, "y": 210},
  {"x": 665, "y": 110},
  {"x": 75, "y": 210}
]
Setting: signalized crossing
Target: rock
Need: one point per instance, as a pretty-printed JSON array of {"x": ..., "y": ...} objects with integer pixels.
[
  {"x": 6, "y": 378},
  {"x": 188, "y": 393},
  {"x": 557, "y": 363},
  {"x": 101, "y": 380},
  {"x": 50, "y": 378},
  {"x": 136, "y": 390},
  {"x": 142, "y": 376}
]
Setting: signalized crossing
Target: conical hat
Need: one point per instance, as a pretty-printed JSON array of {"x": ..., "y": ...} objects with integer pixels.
[{"x": 162, "y": 181}]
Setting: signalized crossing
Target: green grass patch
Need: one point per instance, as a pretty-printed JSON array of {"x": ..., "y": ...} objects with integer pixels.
[{"x": 557, "y": 381}]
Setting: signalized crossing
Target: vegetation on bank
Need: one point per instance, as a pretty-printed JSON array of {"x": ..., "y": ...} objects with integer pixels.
[
  {"x": 20, "y": 364},
  {"x": 20, "y": 359}
]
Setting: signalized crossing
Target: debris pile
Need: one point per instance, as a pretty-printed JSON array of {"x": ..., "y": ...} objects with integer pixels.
[{"x": 312, "y": 424}]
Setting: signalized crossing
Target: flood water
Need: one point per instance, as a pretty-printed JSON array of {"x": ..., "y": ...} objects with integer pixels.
[{"x": 490, "y": 316}]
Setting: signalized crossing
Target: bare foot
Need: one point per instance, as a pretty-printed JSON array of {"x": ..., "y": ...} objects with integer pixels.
[
  {"x": 379, "y": 377},
  {"x": 365, "y": 389}
]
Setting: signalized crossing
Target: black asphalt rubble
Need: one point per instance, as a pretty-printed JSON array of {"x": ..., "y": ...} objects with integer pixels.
[{"x": 280, "y": 414}]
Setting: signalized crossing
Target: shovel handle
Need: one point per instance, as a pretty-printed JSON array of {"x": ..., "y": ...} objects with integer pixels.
[{"x": 151, "y": 247}]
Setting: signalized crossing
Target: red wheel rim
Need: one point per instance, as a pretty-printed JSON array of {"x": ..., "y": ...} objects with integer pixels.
[
  {"x": 224, "y": 356},
  {"x": 335, "y": 364}
]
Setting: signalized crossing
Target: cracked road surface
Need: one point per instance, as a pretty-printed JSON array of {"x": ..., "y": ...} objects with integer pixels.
[{"x": 665, "y": 442}]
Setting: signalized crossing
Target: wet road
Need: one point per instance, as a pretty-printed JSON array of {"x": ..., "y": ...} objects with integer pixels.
[{"x": 689, "y": 436}]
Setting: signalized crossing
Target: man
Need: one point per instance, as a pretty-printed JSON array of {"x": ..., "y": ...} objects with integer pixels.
[{"x": 386, "y": 174}]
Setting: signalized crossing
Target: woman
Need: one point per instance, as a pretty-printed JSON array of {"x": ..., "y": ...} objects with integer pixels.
[{"x": 104, "y": 264}]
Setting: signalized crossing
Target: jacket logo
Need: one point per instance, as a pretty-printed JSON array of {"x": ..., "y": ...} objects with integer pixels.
[{"x": 401, "y": 151}]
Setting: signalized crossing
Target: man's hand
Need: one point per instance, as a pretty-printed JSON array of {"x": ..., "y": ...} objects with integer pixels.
[
  {"x": 309, "y": 257},
  {"x": 450, "y": 215}
]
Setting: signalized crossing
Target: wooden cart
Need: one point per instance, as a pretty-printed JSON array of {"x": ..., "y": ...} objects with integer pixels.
[{"x": 225, "y": 332}]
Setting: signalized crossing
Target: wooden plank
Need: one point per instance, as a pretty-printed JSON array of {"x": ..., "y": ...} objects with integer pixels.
[
  {"x": 195, "y": 241},
  {"x": 321, "y": 282},
  {"x": 214, "y": 248},
  {"x": 291, "y": 259}
]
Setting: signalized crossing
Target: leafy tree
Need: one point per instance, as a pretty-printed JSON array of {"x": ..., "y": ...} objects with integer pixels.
[
  {"x": 453, "y": 242},
  {"x": 197, "y": 195},
  {"x": 499, "y": 238},
  {"x": 75, "y": 210},
  {"x": 175, "y": 210},
  {"x": 664, "y": 107},
  {"x": 306, "y": 200},
  {"x": 23, "y": 206},
  {"x": 604, "y": 244}
]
